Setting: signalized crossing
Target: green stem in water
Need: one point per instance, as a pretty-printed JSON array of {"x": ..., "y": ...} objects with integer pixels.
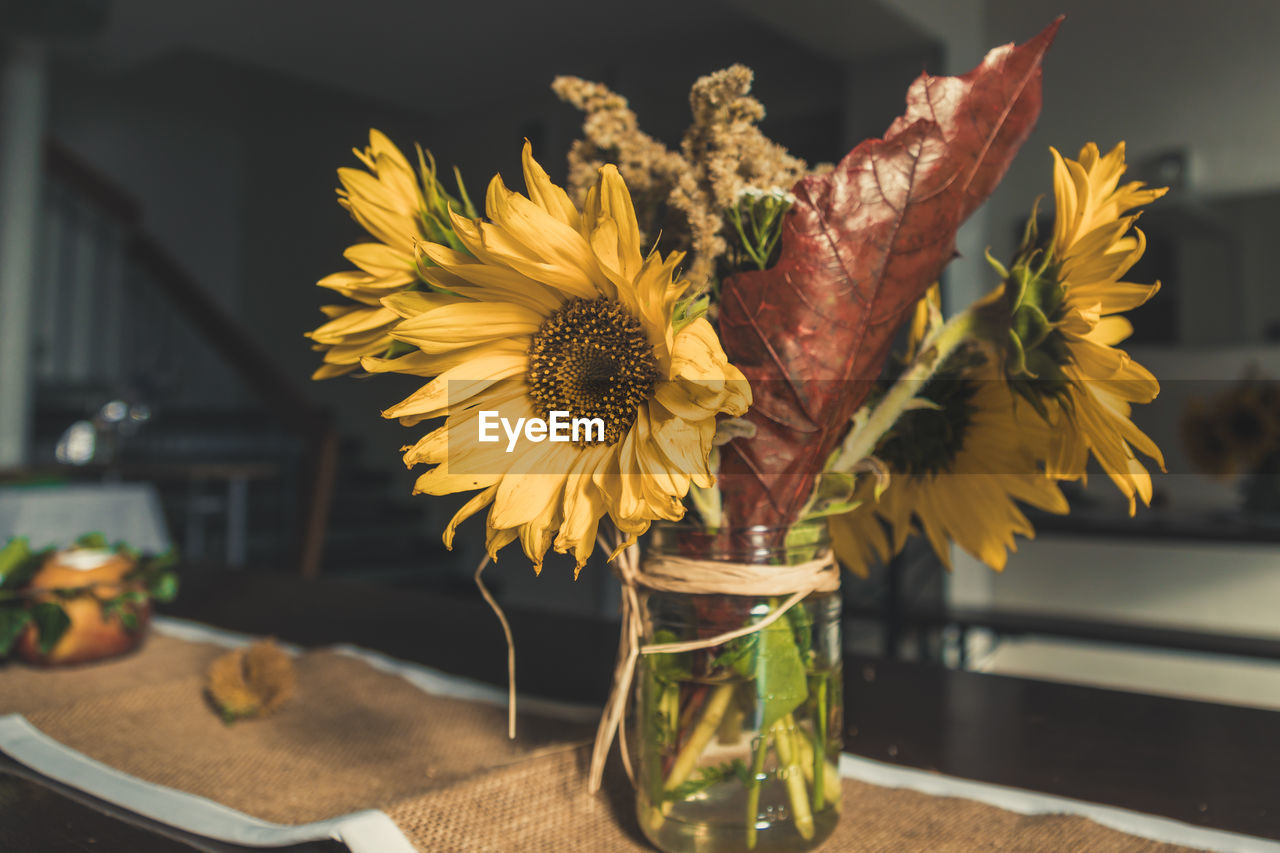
[
  {"x": 753, "y": 791},
  {"x": 660, "y": 725},
  {"x": 830, "y": 774},
  {"x": 712, "y": 712},
  {"x": 669, "y": 707},
  {"x": 820, "y": 745},
  {"x": 784, "y": 733},
  {"x": 730, "y": 731}
]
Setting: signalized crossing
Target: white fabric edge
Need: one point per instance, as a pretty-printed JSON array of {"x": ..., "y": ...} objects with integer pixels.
[
  {"x": 368, "y": 831},
  {"x": 1021, "y": 801},
  {"x": 196, "y": 632}
]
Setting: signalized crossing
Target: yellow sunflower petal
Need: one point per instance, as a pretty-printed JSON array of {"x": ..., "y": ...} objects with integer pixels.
[
  {"x": 615, "y": 235},
  {"x": 353, "y": 322},
  {"x": 464, "y": 324},
  {"x": 455, "y": 386},
  {"x": 546, "y": 194},
  {"x": 380, "y": 259},
  {"x": 492, "y": 245},
  {"x": 462, "y": 273},
  {"x": 470, "y": 508}
]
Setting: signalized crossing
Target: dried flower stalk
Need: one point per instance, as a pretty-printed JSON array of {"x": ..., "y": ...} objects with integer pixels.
[{"x": 684, "y": 195}]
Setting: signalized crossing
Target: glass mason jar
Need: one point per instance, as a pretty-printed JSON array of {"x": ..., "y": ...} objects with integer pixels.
[{"x": 738, "y": 745}]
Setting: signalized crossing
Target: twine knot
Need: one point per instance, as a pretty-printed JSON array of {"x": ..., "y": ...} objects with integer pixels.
[{"x": 668, "y": 573}]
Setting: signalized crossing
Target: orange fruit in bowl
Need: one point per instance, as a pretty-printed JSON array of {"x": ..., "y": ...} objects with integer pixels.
[{"x": 91, "y": 635}]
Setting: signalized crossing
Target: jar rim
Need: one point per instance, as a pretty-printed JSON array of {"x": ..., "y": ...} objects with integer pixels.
[
  {"x": 685, "y": 524},
  {"x": 759, "y": 544}
]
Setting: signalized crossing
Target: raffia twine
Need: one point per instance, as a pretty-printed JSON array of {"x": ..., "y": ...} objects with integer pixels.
[
  {"x": 694, "y": 577},
  {"x": 671, "y": 574}
]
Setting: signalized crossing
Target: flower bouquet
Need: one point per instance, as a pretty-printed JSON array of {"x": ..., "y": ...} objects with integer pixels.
[{"x": 700, "y": 340}]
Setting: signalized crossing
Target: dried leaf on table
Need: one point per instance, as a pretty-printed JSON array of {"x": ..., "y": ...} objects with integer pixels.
[{"x": 251, "y": 682}]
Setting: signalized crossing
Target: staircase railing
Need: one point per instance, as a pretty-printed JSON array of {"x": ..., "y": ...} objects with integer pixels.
[{"x": 280, "y": 394}]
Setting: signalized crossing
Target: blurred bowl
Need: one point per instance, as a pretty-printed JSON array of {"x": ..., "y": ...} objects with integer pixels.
[{"x": 90, "y": 636}]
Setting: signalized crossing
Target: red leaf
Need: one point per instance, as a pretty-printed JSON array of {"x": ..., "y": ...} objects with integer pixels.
[{"x": 860, "y": 246}]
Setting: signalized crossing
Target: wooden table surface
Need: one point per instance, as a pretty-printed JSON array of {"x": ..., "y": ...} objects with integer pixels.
[{"x": 1211, "y": 765}]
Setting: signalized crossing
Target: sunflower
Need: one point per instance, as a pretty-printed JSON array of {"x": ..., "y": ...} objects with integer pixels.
[
  {"x": 957, "y": 473},
  {"x": 549, "y": 308},
  {"x": 1094, "y": 246},
  {"x": 400, "y": 208},
  {"x": 1233, "y": 433},
  {"x": 1247, "y": 422}
]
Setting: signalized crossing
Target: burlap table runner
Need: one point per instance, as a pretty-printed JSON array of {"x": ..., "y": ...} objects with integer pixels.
[
  {"x": 356, "y": 738},
  {"x": 539, "y": 806}
]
